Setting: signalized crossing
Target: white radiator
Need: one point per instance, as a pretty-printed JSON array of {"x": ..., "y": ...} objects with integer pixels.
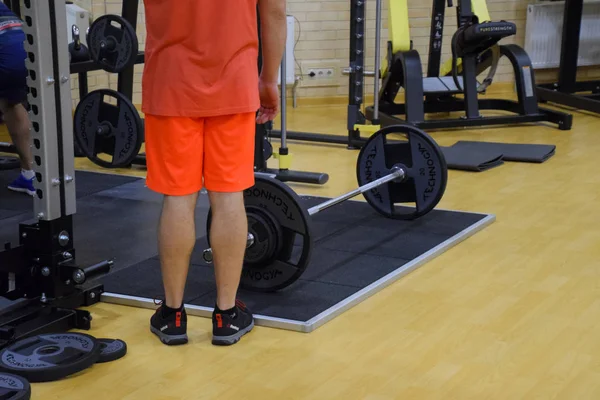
[
  {"x": 543, "y": 34},
  {"x": 290, "y": 64}
]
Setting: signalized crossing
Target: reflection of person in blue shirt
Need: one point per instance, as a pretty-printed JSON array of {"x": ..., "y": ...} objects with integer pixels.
[{"x": 13, "y": 93}]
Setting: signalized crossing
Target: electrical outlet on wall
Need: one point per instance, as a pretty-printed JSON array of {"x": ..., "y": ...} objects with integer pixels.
[{"x": 320, "y": 73}]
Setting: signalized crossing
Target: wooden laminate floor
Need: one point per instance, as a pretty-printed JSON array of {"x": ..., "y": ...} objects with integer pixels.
[{"x": 512, "y": 313}]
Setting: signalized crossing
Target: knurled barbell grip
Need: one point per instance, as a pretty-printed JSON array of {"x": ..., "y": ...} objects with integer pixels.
[
  {"x": 396, "y": 173},
  {"x": 208, "y": 256}
]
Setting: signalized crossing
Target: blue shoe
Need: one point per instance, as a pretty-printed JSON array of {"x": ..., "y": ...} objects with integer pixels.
[{"x": 23, "y": 185}]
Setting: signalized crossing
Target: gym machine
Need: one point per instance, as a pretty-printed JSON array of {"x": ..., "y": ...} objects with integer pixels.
[
  {"x": 567, "y": 91},
  {"x": 356, "y": 121},
  {"x": 474, "y": 49},
  {"x": 41, "y": 285},
  {"x": 263, "y": 149}
]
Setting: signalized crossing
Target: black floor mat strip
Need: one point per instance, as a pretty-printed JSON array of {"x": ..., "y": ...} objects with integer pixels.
[
  {"x": 516, "y": 152},
  {"x": 470, "y": 159},
  {"x": 482, "y": 156}
]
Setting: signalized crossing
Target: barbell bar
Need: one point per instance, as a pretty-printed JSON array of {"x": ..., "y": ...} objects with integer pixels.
[{"x": 397, "y": 173}]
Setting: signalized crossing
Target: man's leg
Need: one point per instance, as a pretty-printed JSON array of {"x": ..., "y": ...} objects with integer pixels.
[
  {"x": 176, "y": 240},
  {"x": 18, "y": 124},
  {"x": 228, "y": 170},
  {"x": 175, "y": 170},
  {"x": 228, "y": 233}
]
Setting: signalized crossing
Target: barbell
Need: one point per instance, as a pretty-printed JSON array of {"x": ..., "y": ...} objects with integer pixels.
[{"x": 404, "y": 178}]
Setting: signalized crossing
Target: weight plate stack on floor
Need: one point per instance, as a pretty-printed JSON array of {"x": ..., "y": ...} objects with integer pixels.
[
  {"x": 50, "y": 357},
  {"x": 415, "y": 152},
  {"x": 111, "y": 350},
  {"x": 13, "y": 387}
]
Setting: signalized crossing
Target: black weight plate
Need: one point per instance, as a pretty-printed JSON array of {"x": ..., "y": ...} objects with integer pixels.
[
  {"x": 13, "y": 387},
  {"x": 111, "y": 350},
  {"x": 121, "y": 38},
  {"x": 122, "y": 125},
  {"x": 7, "y": 163},
  {"x": 423, "y": 162},
  {"x": 50, "y": 357},
  {"x": 280, "y": 206},
  {"x": 267, "y": 149},
  {"x": 266, "y": 235}
]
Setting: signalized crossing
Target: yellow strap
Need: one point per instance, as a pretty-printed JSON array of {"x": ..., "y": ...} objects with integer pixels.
[
  {"x": 446, "y": 69},
  {"x": 480, "y": 9},
  {"x": 285, "y": 161},
  {"x": 398, "y": 26},
  {"x": 370, "y": 129}
]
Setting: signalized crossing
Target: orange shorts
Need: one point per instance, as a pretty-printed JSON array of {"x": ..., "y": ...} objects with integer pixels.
[{"x": 185, "y": 154}]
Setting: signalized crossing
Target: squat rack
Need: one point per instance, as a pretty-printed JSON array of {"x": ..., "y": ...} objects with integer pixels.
[
  {"x": 41, "y": 285},
  {"x": 355, "y": 73}
]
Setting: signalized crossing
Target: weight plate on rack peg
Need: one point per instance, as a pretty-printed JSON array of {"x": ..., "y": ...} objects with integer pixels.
[
  {"x": 424, "y": 165},
  {"x": 282, "y": 236},
  {"x": 50, "y": 357},
  {"x": 112, "y": 43},
  {"x": 106, "y": 122}
]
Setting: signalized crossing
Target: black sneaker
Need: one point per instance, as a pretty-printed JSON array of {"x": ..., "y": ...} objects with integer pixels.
[
  {"x": 171, "y": 330},
  {"x": 229, "y": 329}
]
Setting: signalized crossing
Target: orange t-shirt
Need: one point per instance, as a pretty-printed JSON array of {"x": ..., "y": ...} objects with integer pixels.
[{"x": 200, "y": 58}]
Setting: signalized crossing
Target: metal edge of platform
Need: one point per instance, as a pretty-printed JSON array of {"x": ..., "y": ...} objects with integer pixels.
[
  {"x": 334, "y": 311},
  {"x": 393, "y": 276}
]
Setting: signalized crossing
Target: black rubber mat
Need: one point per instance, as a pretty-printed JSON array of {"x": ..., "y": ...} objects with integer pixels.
[
  {"x": 517, "y": 152},
  {"x": 354, "y": 246},
  {"x": 472, "y": 159},
  {"x": 482, "y": 156}
]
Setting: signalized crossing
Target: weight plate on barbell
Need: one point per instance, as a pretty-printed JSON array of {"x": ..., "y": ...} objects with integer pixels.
[
  {"x": 112, "y": 43},
  {"x": 421, "y": 159},
  {"x": 106, "y": 122},
  {"x": 274, "y": 212},
  {"x": 50, "y": 357},
  {"x": 266, "y": 233}
]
